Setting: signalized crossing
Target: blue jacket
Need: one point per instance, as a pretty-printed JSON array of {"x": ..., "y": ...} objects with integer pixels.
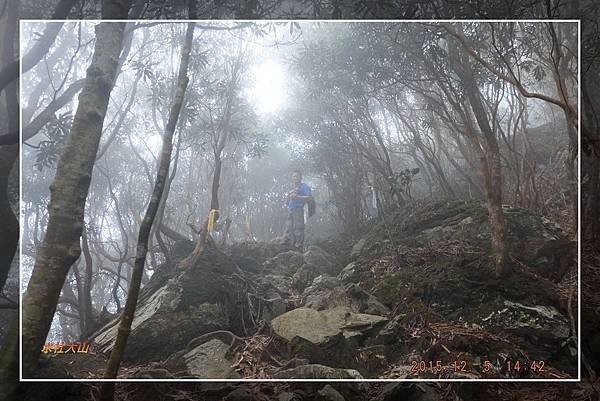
[{"x": 301, "y": 190}]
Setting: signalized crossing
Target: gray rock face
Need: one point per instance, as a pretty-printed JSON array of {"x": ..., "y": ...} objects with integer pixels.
[
  {"x": 328, "y": 393},
  {"x": 191, "y": 303},
  {"x": 535, "y": 241},
  {"x": 324, "y": 262},
  {"x": 206, "y": 361},
  {"x": 540, "y": 244},
  {"x": 324, "y": 282},
  {"x": 349, "y": 272},
  {"x": 319, "y": 327},
  {"x": 327, "y": 292},
  {"x": 391, "y": 332},
  {"x": 286, "y": 263},
  {"x": 316, "y": 371},
  {"x": 304, "y": 276},
  {"x": 439, "y": 233},
  {"x": 273, "y": 305},
  {"x": 303, "y": 267},
  {"x": 259, "y": 251},
  {"x": 538, "y": 327},
  {"x": 282, "y": 284},
  {"x": 331, "y": 336}
]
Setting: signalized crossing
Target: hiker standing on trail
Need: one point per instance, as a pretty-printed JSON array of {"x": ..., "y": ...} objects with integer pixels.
[{"x": 296, "y": 198}]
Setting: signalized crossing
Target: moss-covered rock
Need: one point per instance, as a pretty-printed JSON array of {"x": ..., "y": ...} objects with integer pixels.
[
  {"x": 534, "y": 240},
  {"x": 209, "y": 360},
  {"x": 332, "y": 335},
  {"x": 432, "y": 264},
  {"x": 191, "y": 302},
  {"x": 285, "y": 263},
  {"x": 327, "y": 292},
  {"x": 325, "y": 263}
]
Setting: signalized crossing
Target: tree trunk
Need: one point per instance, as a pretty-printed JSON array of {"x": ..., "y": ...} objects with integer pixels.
[
  {"x": 61, "y": 248},
  {"x": 221, "y": 141},
  {"x": 88, "y": 312},
  {"x": 492, "y": 172},
  {"x": 492, "y": 182},
  {"x": 9, "y": 229},
  {"x": 144, "y": 233}
]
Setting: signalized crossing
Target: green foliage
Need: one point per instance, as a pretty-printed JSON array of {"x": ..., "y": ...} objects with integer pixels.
[
  {"x": 144, "y": 69},
  {"x": 49, "y": 150},
  {"x": 400, "y": 181}
]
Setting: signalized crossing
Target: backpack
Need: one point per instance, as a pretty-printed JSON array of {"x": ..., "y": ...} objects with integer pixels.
[{"x": 312, "y": 207}]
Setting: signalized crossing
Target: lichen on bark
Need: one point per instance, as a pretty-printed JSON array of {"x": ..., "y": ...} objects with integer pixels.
[{"x": 60, "y": 248}]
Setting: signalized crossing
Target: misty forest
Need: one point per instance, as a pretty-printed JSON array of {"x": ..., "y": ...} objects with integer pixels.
[{"x": 299, "y": 200}]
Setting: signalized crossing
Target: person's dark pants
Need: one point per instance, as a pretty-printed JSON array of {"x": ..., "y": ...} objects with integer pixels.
[{"x": 294, "y": 231}]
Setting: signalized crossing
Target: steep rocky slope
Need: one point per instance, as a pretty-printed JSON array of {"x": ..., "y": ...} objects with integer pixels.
[{"x": 415, "y": 297}]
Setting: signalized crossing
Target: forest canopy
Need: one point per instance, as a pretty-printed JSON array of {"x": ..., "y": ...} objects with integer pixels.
[{"x": 376, "y": 117}]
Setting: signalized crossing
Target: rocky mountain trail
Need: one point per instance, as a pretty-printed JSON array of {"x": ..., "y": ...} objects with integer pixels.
[{"x": 414, "y": 298}]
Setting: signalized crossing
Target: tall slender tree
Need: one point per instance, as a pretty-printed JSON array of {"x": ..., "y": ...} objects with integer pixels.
[
  {"x": 491, "y": 166},
  {"x": 116, "y": 355},
  {"x": 61, "y": 245},
  {"x": 220, "y": 136}
]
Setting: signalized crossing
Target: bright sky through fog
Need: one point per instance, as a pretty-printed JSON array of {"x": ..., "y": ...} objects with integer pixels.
[{"x": 267, "y": 90}]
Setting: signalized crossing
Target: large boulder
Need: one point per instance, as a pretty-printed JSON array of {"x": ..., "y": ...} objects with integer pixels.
[
  {"x": 331, "y": 336},
  {"x": 392, "y": 332},
  {"x": 273, "y": 304},
  {"x": 304, "y": 276},
  {"x": 324, "y": 262},
  {"x": 540, "y": 329},
  {"x": 259, "y": 251},
  {"x": 282, "y": 284},
  {"x": 319, "y": 327},
  {"x": 209, "y": 360},
  {"x": 540, "y": 243},
  {"x": 349, "y": 272},
  {"x": 328, "y": 393},
  {"x": 285, "y": 263},
  {"x": 328, "y": 292},
  {"x": 192, "y": 302}
]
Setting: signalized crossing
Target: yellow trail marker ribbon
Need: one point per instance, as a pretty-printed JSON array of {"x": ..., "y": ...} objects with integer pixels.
[{"x": 211, "y": 219}]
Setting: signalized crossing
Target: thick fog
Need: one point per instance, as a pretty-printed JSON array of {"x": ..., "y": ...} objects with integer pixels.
[{"x": 375, "y": 115}]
